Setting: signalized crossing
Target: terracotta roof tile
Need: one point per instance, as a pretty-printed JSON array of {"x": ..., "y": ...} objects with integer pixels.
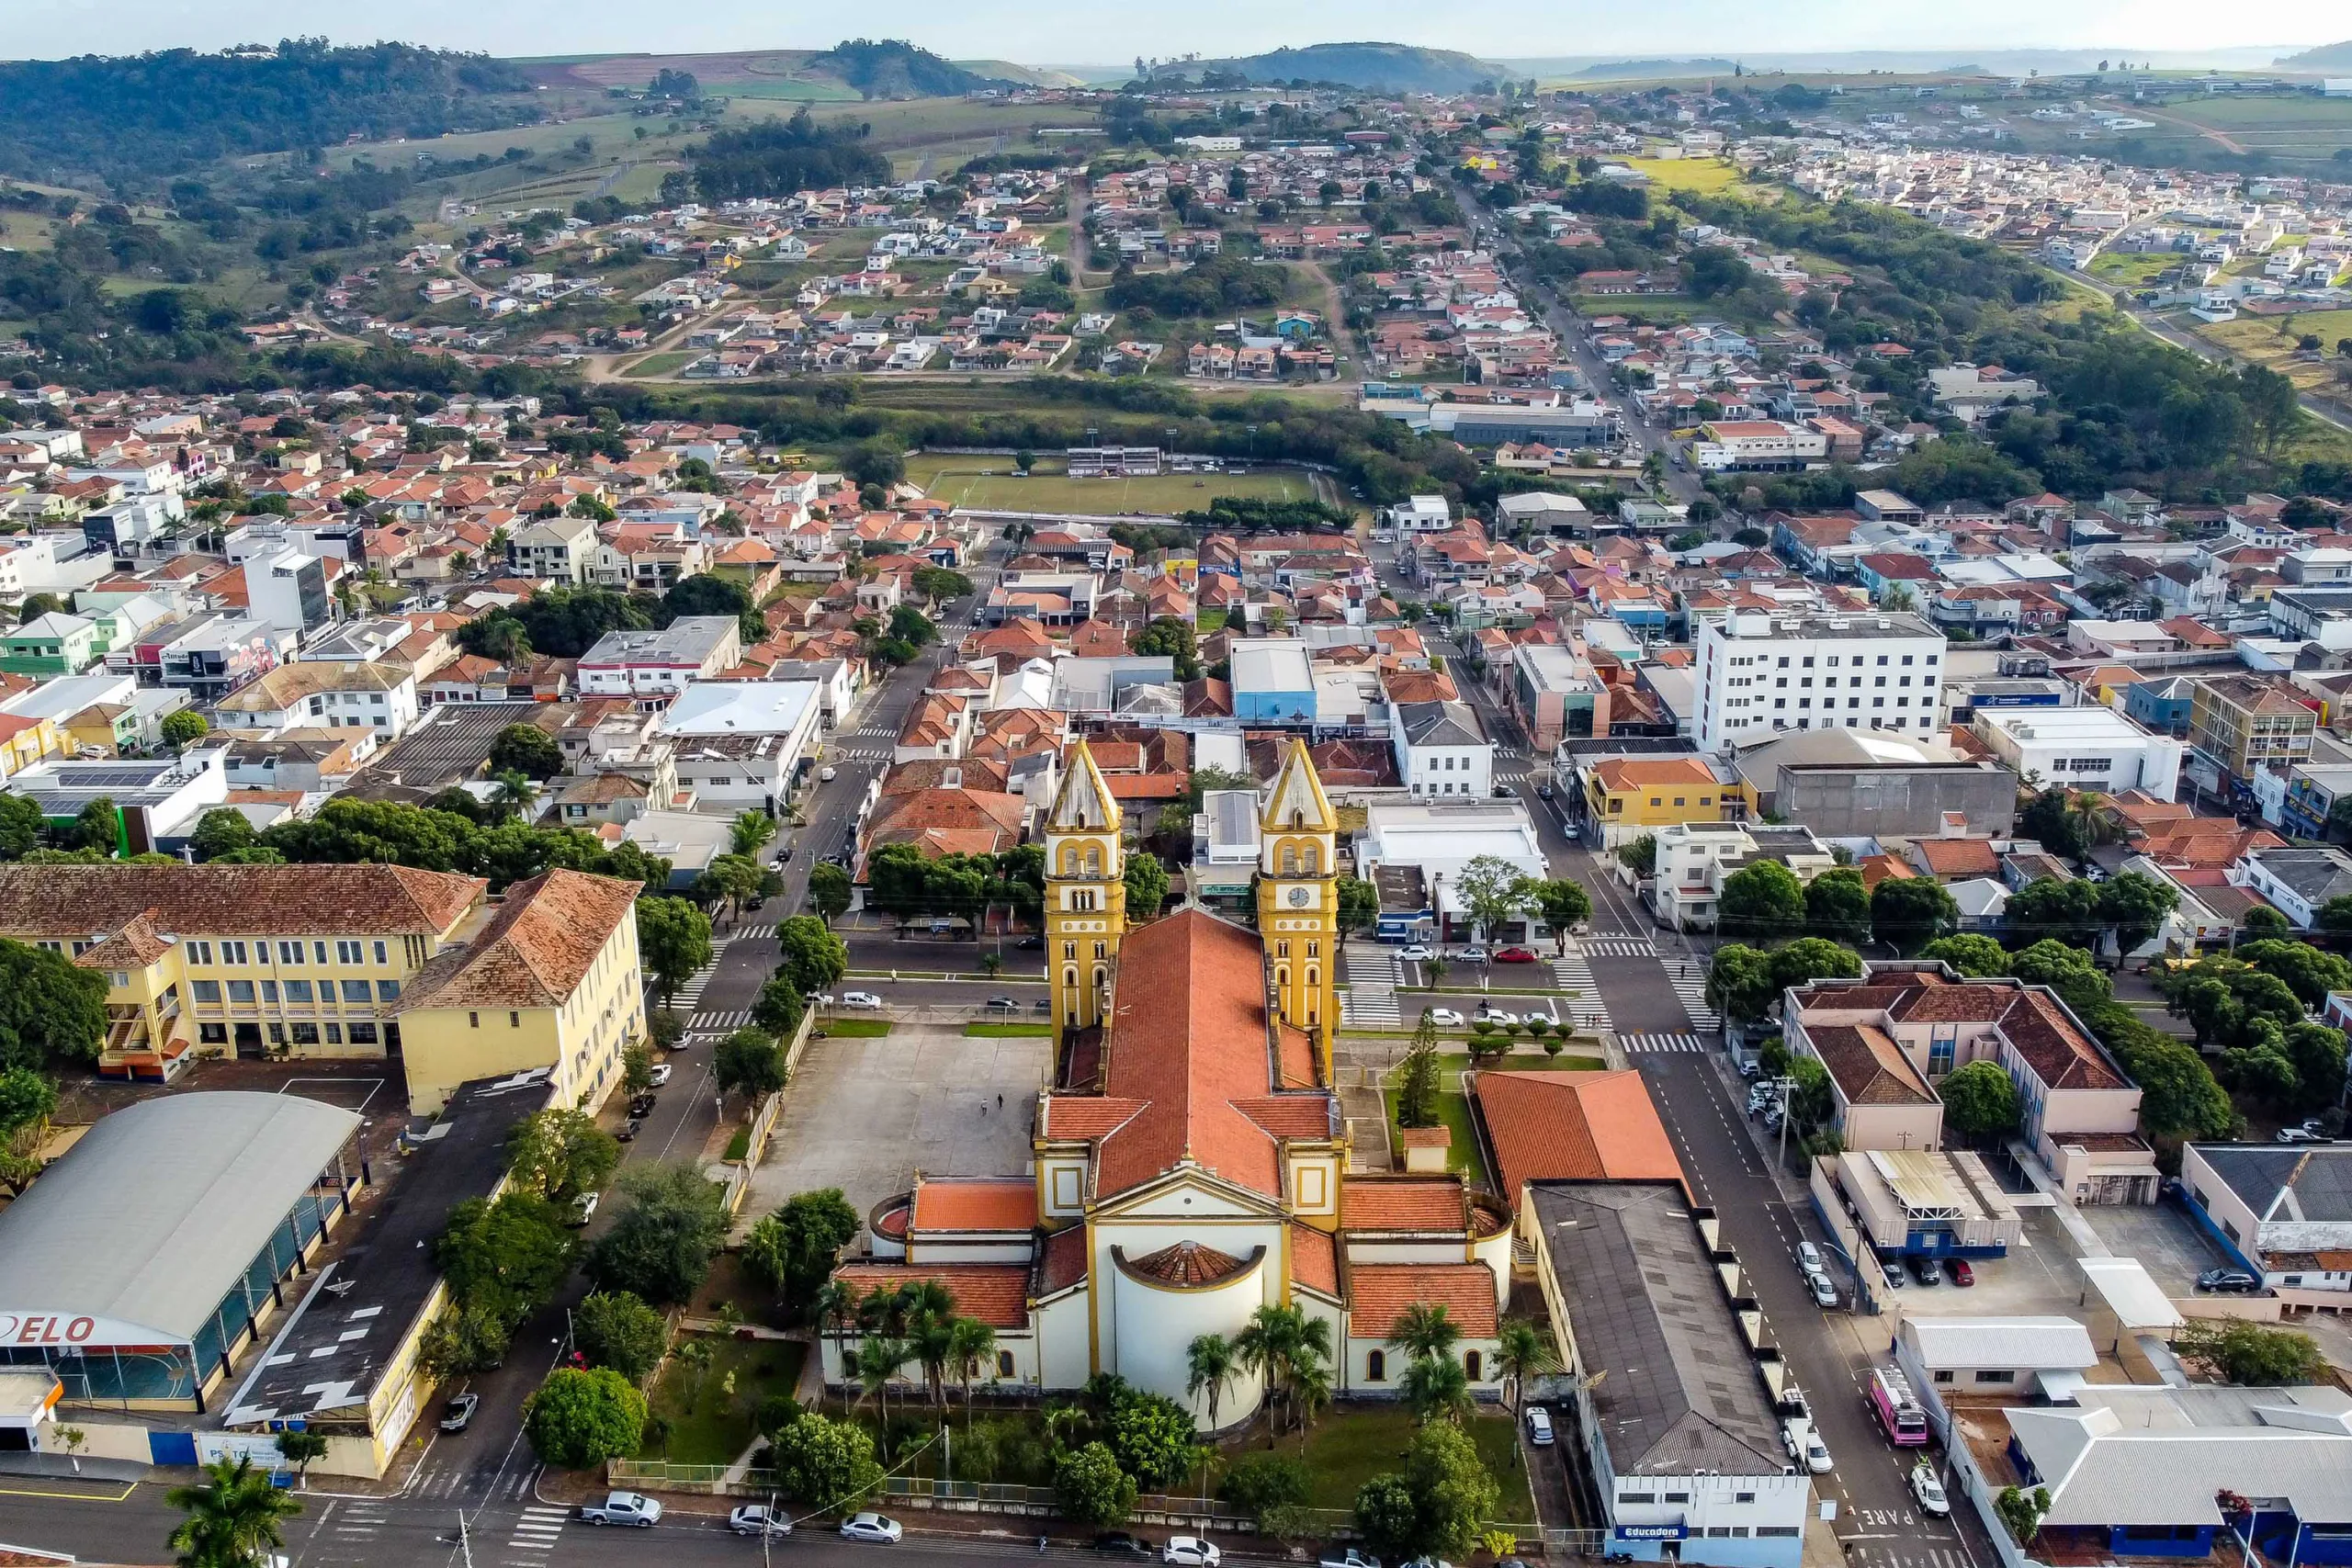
[
  {"x": 1867, "y": 1066},
  {"x": 1087, "y": 1115},
  {"x": 996, "y": 1293},
  {"x": 1315, "y": 1259},
  {"x": 975, "y": 1205},
  {"x": 234, "y": 900},
  {"x": 1405, "y": 1202},
  {"x": 535, "y": 950},
  {"x": 1065, "y": 1260},
  {"x": 1573, "y": 1127},
  {"x": 1378, "y": 1295},
  {"x": 1186, "y": 1264}
]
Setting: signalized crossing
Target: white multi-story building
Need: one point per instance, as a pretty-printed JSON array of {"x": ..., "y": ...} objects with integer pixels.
[
  {"x": 1440, "y": 750},
  {"x": 2082, "y": 748},
  {"x": 1758, "y": 673},
  {"x": 661, "y": 663}
]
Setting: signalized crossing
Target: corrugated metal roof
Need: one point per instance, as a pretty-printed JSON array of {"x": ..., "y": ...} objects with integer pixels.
[{"x": 162, "y": 1205}]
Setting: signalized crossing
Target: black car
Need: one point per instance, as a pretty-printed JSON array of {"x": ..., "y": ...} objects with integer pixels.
[
  {"x": 642, "y": 1107},
  {"x": 1119, "y": 1543},
  {"x": 2229, "y": 1281}
]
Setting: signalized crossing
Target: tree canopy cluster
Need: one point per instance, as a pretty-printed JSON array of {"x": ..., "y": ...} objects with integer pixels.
[{"x": 778, "y": 158}]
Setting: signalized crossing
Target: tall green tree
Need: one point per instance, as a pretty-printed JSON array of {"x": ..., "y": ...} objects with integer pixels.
[
  {"x": 528, "y": 750},
  {"x": 51, "y": 1012},
  {"x": 1417, "y": 1077},
  {"x": 1493, "y": 891},
  {"x": 22, "y": 824},
  {"x": 1912, "y": 912},
  {"x": 560, "y": 1156},
  {"x": 1980, "y": 1102},
  {"x": 661, "y": 1245},
  {"x": 614, "y": 1328},
  {"x": 1764, "y": 901},
  {"x": 672, "y": 943},
  {"x": 1524, "y": 1352},
  {"x": 1972, "y": 956},
  {"x": 1837, "y": 906},
  {"x": 794, "y": 1249},
  {"x": 813, "y": 958},
  {"x": 1564, "y": 905},
  {"x": 1147, "y": 882},
  {"x": 1210, "y": 1367},
  {"x": 2054, "y": 908},
  {"x": 1739, "y": 982},
  {"x": 577, "y": 1420},
  {"x": 748, "y": 1063},
  {"x": 825, "y": 1463},
  {"x": 222, "y": 830}
]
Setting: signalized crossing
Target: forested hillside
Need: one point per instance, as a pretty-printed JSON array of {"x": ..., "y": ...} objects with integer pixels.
[
  {"x": 146, "y": 115},
  {"x": 777, "y": 158}
]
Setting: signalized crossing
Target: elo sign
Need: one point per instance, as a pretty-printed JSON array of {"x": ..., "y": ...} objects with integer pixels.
[{"x": 59, "y": 1328}]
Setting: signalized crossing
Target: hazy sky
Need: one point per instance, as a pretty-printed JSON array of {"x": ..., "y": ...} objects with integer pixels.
[{"x": 1089, "y": 30}]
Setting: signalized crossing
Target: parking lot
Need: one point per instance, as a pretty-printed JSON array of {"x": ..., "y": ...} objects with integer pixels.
[
  {"x": 865, "y": 1114},
  {"x": 2169, "y": 1245}
]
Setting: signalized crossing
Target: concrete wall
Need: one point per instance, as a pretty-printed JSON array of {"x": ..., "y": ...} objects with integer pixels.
[{"x": 1894, "y": 801}]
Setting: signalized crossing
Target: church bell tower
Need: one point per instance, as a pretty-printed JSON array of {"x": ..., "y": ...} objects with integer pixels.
[
  {"x": 1086, "y": 896},
  {"x": 1299, "y": 899}
]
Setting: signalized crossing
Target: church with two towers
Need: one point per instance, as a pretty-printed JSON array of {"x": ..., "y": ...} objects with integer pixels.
[{"x": 1191, "y": 1165}]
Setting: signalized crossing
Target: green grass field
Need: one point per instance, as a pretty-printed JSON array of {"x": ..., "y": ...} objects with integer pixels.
[
  {"x": 708, "y": 1424},
  {"x": 1008, "y": 1031},
  {"x": 1706, "y": 175},
  {"x": 989, "y": 484},
  {"x": 2132, "y": 268},
  {"x": 858, "y": 1028},
  {"x": 1347, "y": 1448},
  {"x": 666, "y": 364},
  {"x": 2271, "y": 341}
]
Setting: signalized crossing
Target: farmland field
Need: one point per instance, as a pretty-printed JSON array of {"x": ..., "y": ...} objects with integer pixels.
[
  {"x": 989, "y": 484},
  {"x": 2270, "y": 341},
  {"x": 2132, "y": 268}
]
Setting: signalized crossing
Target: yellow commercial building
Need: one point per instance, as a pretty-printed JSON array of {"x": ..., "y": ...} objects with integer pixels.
[
  {"x": 253, "y": 961},
  {"x": 1628, "y": 796},
  {"x": 550, "y": 981}
]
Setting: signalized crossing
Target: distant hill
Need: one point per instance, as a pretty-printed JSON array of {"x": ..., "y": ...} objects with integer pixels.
[
  {"x": 1394, "y": 67},
  {"x": 1027, "y": 75},
  {"x": 2328, "y": 57},
  {"x": 1644, "y": 70},
  {"x": 893, "y": 68},
  {"x": 163, "y": 114}
]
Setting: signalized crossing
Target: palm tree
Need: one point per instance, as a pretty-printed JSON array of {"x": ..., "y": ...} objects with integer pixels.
[
  {"x": 970, "y": 1344},
  {"x": 932, "y": 1340},
  {"x": 233, "y": 1517},
  {"x": 1524, "y": 1351},
  {"x": 1262, "y": 1347},
  {"x": 1434, "y": 1386},
  {"x": 879, "y": 1360},
  {"x": 1310, "y": 1386},
  {"x": 2088, "y": 809},
  {"x": 834, "y": 1307},
  {"x": 515, "y": 793},
  {"x": 1424, "y": 1330},
  {"x": 923, "y": 1299},
  {"x": 1210, "y": 1365}
]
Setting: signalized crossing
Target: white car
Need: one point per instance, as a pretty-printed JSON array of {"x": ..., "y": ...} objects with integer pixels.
[
  {"x": 860, "y": 1000},
  {"x": 1816, "y": 1453},
  {"x": 753, "y": 1518},
  {"x": 827, "y": 774},
  {"x": 1445, "y": 1017},
  {"x": 874, "y": 1528},
  {"x": 1930, "y": 1491},
  {"x": 1474, "y": 955},
  {"x": 1539, "y": 1425},
  {"x": 661, "y": 1075},
  {"x": 1191, "y": 1552},
  {"x": 1414, "y": 954},
  {"x": 1496, "y": 1015},
  {"x": 1825, "y": 1294},
  {"x": 1808, "y": 1256}
]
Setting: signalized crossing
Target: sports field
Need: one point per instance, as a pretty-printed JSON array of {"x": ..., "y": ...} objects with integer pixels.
[{"x": 989, "y": 484}]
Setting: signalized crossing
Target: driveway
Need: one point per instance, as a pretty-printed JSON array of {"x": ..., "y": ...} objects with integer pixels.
[
  {"x": 2168, "y": 1244},
  {"x": 864, "y": 1115}
]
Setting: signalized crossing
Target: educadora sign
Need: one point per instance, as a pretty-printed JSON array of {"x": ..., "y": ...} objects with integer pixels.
[{"x": 1652, "y": 1532}]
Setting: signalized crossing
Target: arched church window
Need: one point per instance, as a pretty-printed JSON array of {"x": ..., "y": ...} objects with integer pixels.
[
  {"x": 1376, "y": 1367},
  {"x": 1313, "y": 860},
  {"x": 1070, "y": 860},
  {"x": 1290, "y": 860},
  {"x": 1472, "y": 1366},
  {"x": 1093, "y": 861},
  {"x": 1314, "y": 979}
]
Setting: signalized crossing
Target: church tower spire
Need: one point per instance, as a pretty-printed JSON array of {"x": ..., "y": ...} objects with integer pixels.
[
  {"x": 1298, "y": 899},
  {"x": 1086, "y": 895}
]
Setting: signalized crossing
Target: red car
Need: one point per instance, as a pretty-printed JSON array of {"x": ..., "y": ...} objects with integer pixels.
[
  {"x": 1513, "y": 956},
  {"x": 1961, "y": 1274}
]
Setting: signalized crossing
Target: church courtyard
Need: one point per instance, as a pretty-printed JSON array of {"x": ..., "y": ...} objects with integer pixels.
[{"x": 865, "y": 1114}]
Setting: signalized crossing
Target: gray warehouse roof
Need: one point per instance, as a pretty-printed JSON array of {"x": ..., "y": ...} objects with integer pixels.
[
  {"x": 1645, "y": 1303},
  {"x": 2320, "y": 1178},
  {"x": 162, "y": 1205}
]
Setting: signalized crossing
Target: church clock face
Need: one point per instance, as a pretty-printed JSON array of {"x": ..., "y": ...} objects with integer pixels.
[{"x": 1298, "y": 898}]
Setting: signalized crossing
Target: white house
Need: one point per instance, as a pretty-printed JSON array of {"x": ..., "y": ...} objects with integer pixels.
[
  {"x": 2082, "y": 748},
  {"x": 1440, "y": 750},
  {"x": 661, "y": 663},
  {"x": 314, "y": 694}
]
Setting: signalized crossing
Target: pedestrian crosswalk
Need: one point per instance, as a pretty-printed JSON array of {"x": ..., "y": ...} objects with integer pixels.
[
  {"x": 1689, "y": 978},
  {"x": 357, "y": 1522},
  {"x": 1375, "y": 967},
  {"x": 690, "y": 993},
  {"x": 537, "y": 1532},
  {"x": 859, "y": 755},
  {"x": 1645, "y": 1044},
  {"x": 722, "y": 1020},
  {"x": 1573, "y": 972},
  {"x": 873, "y": 727},
  {"x": 750, "y": 933},
  {"x": 1369, "y": 1006},
  {"x": 1617, "y": 947}
]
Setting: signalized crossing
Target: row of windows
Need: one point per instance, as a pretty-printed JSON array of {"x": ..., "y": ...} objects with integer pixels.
[
  {"x": 298, "y": 993},
  {"x": 356, "y": 1032},
  {"x": 236, "y": 954},
  {"x": 1446, "y": 764},
  {"x": 1441, "y": 786},
  {"x": 1624, "y": 1498}
]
